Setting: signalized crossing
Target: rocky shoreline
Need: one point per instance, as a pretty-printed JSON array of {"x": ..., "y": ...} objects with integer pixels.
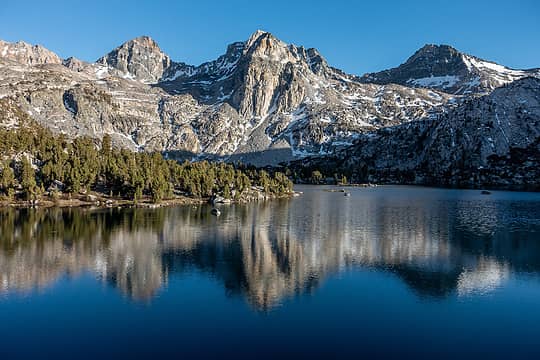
[{"x": 98, "y": 200}]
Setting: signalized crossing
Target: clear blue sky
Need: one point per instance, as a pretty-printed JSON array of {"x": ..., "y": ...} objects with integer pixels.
[{"x": 357, "y": 36}]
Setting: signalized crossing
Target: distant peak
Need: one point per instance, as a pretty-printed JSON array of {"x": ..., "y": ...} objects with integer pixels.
[
  {"x": 430, "y": 53},
  {"x": 29, "y": 54},
  {"x": 437, "y": 48},
  {"x": 257, "y": 36},
  {"x": 258, "y": 33},
  {"x": 139, "y": 58},
  {"x": 21, "y": 43},
  {"x": 143, "y": 40}
]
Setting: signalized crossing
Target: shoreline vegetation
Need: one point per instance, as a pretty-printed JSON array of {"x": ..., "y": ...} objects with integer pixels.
[
  {"x": 39, "y": 168},
  {"x": 336, "y": 176}
]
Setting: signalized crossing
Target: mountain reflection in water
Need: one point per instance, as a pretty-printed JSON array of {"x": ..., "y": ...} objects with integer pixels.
[{"x": 439, "y": 242}]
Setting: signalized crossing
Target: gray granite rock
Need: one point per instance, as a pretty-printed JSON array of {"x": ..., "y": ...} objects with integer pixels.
[{"x": 265, "y": 102}]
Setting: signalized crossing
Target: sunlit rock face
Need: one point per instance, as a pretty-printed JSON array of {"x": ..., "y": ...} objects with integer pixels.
[
  {"x": 24, "y": 53},
  {"x": 263, "y": 101},
  {"x": 139, "y": 59},
  {"x": 269, "y": 252}
]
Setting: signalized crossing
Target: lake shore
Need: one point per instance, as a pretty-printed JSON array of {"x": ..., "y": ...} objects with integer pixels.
[
  {"x": 99, "y": 200},
  {"x": 519, "y": 188}
]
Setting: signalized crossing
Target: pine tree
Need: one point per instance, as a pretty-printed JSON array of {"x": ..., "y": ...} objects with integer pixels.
[
  {"x": 137, "y": 195},
  {"x": 106, "y": 147},
  {"x": 72, "y": 174},
  {"x": 28, "y": 180},
  {"x": 264, "y": 181},
  {"x": 226, "y": 191},
  {"x": 88, "y": 161},
  {"x": 7, "y": 181},
  {"x": 81, "y": 165}
]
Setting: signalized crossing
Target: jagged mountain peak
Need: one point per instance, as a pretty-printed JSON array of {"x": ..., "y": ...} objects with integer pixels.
[
  {"x": 435, "y": 53},
  {"x": 139, "y": 59},
  {"x": 267, "y": 47},
  {"x": 142, "y": 59},
  {"x": 256, "y": 36},
  {"x": 262, "y": 53},
  {"x": 437, "y": 47},
  {"x": 144, "y": 41},
  {"x": 28, "y": 54},
  {"x": 261, "y": 94},
  {"x": 445, "y": 68},
  {"x": 264, "y": 45}
]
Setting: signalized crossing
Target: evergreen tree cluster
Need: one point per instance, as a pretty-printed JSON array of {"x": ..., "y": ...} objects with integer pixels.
[{"x": 35, "y": 160}]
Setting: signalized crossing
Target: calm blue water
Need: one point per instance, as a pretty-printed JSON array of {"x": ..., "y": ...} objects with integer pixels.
[{"x": 387, "y": 272}]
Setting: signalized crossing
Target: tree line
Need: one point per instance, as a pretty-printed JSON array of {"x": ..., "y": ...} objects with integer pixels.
[{"x": 36, "y": 161}]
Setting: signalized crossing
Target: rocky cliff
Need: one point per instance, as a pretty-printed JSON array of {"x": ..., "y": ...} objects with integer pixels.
[
  {"x": 138, "y": 59},
  {"x": 490, "y": 141},
  {"x": 263, "y": 101},
  {"x": 25, "y": 53}
]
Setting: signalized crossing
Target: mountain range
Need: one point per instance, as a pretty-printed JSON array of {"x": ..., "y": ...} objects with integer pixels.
[{"x": 266, "y": 102}]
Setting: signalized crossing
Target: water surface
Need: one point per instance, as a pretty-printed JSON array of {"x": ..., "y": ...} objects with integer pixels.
[{"x": 388, "y": 271}]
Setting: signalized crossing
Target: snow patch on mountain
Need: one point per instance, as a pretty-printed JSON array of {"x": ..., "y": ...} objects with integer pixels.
[
  {"x": 444, "y": 82},
  {"x": 500, "y": 73},
  {"x": 260, "y": 95},
  {"x": 444, "y": 68}
]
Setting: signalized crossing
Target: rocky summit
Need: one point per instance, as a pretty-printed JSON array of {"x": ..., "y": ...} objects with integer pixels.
[
  {"x": 25, "y": 53},
  {"x": 444, "y": 68},
  {"x": 138, "y": 59},
  {"x": 265, "y": 102}
]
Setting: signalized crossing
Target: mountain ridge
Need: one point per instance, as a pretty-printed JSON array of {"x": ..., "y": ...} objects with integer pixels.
[
  {"x": 263, "y": 101},
  {"x": 169, "y": 65},
  {"x": 445, "y": 68},
  {"x": 490, "y": 141}
]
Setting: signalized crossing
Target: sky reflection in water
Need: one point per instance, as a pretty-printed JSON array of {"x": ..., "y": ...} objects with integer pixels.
[{"x": 381, "y": 260}]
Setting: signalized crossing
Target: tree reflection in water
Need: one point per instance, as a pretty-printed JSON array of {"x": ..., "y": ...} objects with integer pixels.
[{"x": 270, "y": 251}]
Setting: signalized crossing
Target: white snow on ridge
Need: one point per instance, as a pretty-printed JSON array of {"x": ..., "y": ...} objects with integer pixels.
[
  {"x": 472, "y": 62},
  {"x": 188, "y": 71},
  {"x": 436, "y": 81},
  {"x": 503, "y": 74}
]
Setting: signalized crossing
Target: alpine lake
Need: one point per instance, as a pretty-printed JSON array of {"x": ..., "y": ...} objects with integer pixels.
[{"x": 387, "y": 272}]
